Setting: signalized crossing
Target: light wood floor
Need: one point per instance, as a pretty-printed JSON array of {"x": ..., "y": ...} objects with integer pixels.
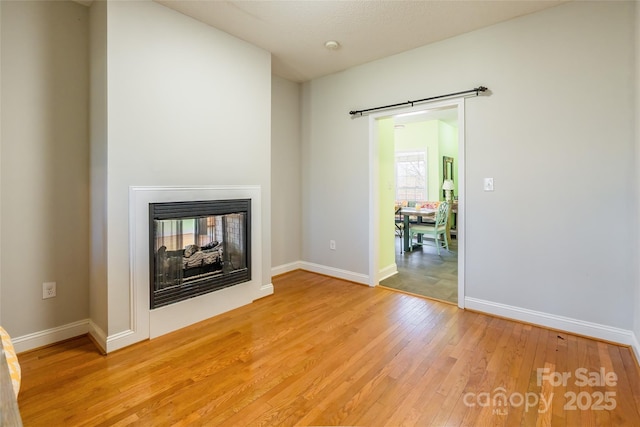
[{"x": 321, "y": 351}]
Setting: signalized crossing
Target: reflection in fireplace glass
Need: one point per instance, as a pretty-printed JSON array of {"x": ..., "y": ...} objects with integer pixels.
[
  {"x": 197, "y": 254},
  {"x": 190, "y": 252}
]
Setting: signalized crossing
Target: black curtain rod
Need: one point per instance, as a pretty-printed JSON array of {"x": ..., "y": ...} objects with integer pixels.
[{"x": 464, "y": 92}]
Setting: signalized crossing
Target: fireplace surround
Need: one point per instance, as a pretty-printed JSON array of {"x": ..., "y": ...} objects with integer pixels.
[{"x": 145, "y": 322}]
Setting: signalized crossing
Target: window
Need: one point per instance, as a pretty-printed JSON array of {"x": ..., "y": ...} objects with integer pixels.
[{"x": 411, "y": 175}]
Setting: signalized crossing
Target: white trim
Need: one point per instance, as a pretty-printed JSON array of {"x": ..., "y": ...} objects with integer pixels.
[
  {"x": 461, "y": 215},
  {"x": 285, "y": 268},
  {"x": 99, "y": 336},
  {"x": 122, "y": 339},
  {"x": 50, "y": 336},
  {"x": 181, "y": 314},
  {"x": 335, "y": 272},
  {"x": 145, "y": 323},
  {"x": 387, "y": 272},
  {"x": 562, "y": 323},
  {"x": 635, "y": 346},
  {"x": 265, "y": 291},
  {"x": 374, "y": 202}
]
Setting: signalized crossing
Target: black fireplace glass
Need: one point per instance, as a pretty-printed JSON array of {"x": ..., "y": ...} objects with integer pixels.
[{"x": 197, "y": 247}]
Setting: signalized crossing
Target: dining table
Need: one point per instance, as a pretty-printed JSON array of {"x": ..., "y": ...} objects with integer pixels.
[{"x": 420, "y": 213}]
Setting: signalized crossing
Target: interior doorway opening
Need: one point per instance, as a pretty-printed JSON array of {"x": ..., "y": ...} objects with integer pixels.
[{"x": 414, "y": 153}]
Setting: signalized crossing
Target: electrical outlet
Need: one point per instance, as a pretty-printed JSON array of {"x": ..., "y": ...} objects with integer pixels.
[
  {"x": 48, "y": 290},
  {"x": 332, "y": 245}
]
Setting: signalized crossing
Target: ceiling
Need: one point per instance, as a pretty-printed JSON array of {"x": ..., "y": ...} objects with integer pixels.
[{"x": 295, "y": 31}]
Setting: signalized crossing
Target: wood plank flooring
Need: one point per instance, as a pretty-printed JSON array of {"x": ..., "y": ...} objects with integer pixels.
[{"x": 322, "y": 351}]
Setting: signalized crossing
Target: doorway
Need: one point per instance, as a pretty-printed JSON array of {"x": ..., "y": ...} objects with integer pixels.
[{"x": 432, "y": 137}]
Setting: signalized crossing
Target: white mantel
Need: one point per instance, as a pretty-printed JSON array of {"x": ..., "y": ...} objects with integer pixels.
[{"x": 146, "y": 323}]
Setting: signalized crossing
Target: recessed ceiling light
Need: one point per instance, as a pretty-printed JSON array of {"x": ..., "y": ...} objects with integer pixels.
[{"x": 332, "y": 45}]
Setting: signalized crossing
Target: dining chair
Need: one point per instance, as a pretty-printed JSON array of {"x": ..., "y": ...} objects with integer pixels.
[
  {"x": 435, "y": 231},
  {"x": 399, "y": 225},
  {"x": 399, "y": 222}
]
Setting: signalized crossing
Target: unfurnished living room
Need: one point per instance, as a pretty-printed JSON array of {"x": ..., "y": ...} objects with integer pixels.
[{"x": 197, "y": 205}]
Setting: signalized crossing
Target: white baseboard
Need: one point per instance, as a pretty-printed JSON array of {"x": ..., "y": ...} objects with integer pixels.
[
  {"x": 635, "y": 345},
  {"x": 285, "y": 268},
  {"x": 329, "y": 271},
  {"x": 387, "y": 272},
  {"x": 265, "y": 290},
  {"x": 98, "y": 335},
  {"x": 335, "y": 272},
  {"x": 121, "y": 340},
  {"x": 106, "y": 343},
  {"x": 50, "y": 336},
  {"x": 580, "y": 327}
]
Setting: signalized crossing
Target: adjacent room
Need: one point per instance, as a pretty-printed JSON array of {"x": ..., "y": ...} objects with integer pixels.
[{"x": 418, "y": 167}]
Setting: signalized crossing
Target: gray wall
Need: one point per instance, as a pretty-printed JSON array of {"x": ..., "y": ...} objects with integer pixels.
[
  {"x": 168, "y": 101},
  {"x": 286, "y": 206},
  {"x": 45, "y": 164},
  {"x": 637, "y": 182},
  {"x": 98, "y": 284},
  {"x": 555, "y": 134},
  {"x": 180, "y": 94}
]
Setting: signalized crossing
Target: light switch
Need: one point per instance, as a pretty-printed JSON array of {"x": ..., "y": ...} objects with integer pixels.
[{"x": 488, "y": 184}]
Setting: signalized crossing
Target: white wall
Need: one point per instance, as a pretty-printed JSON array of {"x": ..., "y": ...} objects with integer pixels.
[
  {"x": 286, "y": 207},
  {"x": 45, "y": 164},
  {"x": 180, "y": 95},
  {"x": 555, "y": 134}
]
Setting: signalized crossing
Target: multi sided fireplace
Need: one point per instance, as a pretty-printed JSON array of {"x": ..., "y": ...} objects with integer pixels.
[{"x": 197, "y": 247}]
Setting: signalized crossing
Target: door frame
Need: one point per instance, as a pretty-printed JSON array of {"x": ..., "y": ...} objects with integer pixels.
[{"x": 374, "y": 193}]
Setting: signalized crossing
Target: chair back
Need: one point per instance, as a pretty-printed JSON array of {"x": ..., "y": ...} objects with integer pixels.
[
  {"x": 442, "y": 214},
  {"x": 398, "y": 217}
]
